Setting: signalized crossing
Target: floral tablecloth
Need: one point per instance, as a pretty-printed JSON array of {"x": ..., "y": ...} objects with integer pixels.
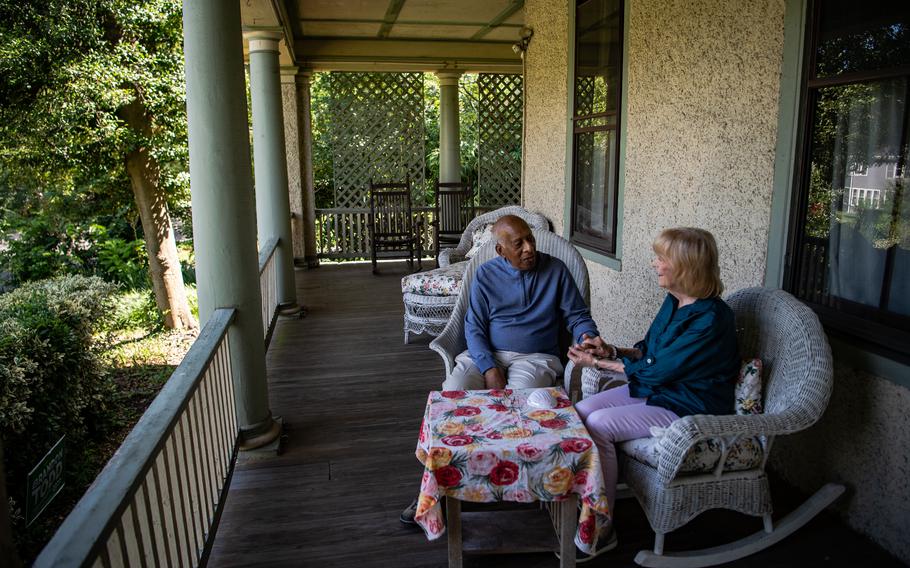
[{"x": 489, "y": 445}]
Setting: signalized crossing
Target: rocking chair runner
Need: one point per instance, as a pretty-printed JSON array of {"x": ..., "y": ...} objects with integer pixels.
[
  {"x": 393, "y": 231},
  {"x": 788, "y": 338}
]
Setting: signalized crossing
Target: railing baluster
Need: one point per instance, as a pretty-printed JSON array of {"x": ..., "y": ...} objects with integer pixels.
[
  {"x": 186, "y": 513},
  {"x": 162, "y": 515},
  {"x": 172, "y": 503},
  {"x": 137, "y": 531},
  {"x": 150, "y": 522},
  {"x": 205, "y": 496},
  {"x": 124, "y": 559}
]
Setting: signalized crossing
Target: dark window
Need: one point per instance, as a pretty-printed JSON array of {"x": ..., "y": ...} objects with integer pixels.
[
  {"x": 849, "y": 251},
  {"x": 595, "y": 123}
]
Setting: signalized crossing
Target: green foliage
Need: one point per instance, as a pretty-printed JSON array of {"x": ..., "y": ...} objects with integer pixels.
[
  {"x": 120, "y": 260},
  {"x": 136, "y": 310},
  {"x": 68, "y": 71},
  {"x": 51, "y": 379}
]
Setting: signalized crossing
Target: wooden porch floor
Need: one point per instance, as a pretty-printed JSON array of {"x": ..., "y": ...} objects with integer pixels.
[{"x": 352, "y": 395}]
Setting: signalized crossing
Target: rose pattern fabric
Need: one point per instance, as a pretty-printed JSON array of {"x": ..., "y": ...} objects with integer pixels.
[
  {"x": 442, "y": 281},
  {"x": 489, "y": 445}
]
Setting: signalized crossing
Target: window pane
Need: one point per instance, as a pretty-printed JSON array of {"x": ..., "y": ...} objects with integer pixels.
[
  {"x": 856, "y": 227},
  {"x": 595, "y": 174},
  {"x": 862, "y": 36},
  {"x": 598, "y": 56}
]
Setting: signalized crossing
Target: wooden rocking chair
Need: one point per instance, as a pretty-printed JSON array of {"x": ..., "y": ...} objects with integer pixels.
[
  {"x": 453, "y": 212},
  {"x": 392, "y": 228}
]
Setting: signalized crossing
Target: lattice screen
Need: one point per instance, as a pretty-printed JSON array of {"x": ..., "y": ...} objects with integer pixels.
[
  {"x": 499, "y": 125},
  {"x": 584, "y": 95},
  {"x": 377, "y": 131}
]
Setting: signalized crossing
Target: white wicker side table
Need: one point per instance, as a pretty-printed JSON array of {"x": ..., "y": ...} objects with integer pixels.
[{"x": 426, "y": 314}]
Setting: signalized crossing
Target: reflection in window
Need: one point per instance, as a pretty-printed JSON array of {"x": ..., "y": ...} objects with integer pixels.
[
  {"x": 597, "y": 91},
  {"x": 851, "y": 251}
]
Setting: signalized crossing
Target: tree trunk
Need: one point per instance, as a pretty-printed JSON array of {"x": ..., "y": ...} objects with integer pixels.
[{"x": 164, "y": 266}]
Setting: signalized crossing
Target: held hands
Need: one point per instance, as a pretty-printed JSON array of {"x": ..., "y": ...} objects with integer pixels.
[
  {"x": 494, "y": 378},
  {"x": 595, "y": 345},
  {"x": 593, "y": 352}
]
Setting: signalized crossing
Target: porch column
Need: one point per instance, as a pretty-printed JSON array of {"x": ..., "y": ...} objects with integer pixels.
[
  {"x": 293, "y": 153},
  {"x": 273, "y": 212},
  {"x": 449, "y": 137},
  {"x": 224, "y": 223},
  {"x": 305, "y": 120}
]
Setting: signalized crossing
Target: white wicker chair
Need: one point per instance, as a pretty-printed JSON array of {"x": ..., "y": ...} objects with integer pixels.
[
  {"x": 451, "y": 341},
  {"x": 458, "y": 254},
  {"x": 425, "y": 313},
  {"x": 797, "y": 375}
]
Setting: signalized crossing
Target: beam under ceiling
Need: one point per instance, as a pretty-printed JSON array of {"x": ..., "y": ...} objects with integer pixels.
[{"x": 391, "y": 14}]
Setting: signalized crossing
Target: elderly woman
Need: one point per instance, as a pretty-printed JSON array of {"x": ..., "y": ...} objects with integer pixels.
[{"x": 686, "y": 364}]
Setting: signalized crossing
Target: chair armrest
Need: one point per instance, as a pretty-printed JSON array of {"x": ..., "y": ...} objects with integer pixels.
[
  {"x": 571, "y": 380},
  {"x": 445, "y": 257},
  {"x": 687, "y": 431},
  {"x": 449, "y": 344},
  {"x": 582, "y": 382}
]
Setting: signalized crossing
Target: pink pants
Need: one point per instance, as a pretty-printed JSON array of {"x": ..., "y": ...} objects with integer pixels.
[{"x": 612, "y": 416}]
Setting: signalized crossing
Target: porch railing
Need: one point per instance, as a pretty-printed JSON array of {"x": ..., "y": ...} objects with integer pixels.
[
  {"x": 159, "y": 498},
  {"x": 268, "y": 286},
  {"x": 343, "y": 233}
]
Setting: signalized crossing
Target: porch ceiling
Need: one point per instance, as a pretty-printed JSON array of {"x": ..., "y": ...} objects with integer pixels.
[{"x": 394, "y": 35}]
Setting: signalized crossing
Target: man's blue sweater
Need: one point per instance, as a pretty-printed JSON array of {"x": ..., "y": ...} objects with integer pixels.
[{"x": 521, "y": 311}]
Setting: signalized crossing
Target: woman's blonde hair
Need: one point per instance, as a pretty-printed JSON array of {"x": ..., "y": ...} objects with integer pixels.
[{"x": 692, "y": 254}]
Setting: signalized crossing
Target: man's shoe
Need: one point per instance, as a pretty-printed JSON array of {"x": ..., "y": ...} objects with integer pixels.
[
  {"x": 604, "y": 544},
  {"x": 407, "y": 516}
]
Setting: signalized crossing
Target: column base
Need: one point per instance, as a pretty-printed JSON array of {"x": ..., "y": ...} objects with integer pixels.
[
  {"x": 311, "y": 261},
  {"x": 263, "y": 438},
  {"x": 292, "y": 310}
]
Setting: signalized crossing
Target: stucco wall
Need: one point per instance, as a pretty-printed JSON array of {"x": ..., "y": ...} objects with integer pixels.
[
  {"x": 703, "y": 80},
  {"x": 545, "y": 104},
  {"x": 703, "y": 88}
]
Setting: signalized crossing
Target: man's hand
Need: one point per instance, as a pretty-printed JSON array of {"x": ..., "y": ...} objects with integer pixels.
[
  {"x": 594, "y": 345},
  {"x": 494, "y": 378}
]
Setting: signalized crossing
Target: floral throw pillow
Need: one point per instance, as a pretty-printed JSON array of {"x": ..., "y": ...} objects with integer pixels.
[
  {"x": 748, "y": 388},
  {"x": 479, "y": 238}
]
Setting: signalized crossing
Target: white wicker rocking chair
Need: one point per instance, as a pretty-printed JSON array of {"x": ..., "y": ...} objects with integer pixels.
[
  {"x": 451, "y": 341},
  {"x": 797, "y": 371}
]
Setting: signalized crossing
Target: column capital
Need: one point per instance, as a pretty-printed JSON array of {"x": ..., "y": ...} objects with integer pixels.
[
  {"x": 263, "y": 40},
  {"x": 288, "y": 74},
  {"x": 448, "y": 77},
  {"x": 303, "y": 77}
]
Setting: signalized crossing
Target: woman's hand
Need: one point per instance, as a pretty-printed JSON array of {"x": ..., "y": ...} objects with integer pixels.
[{"x": 583, "y": 357}]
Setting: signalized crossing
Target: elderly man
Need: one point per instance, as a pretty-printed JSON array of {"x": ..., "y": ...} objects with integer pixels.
[{"x": 518, "y": 301}]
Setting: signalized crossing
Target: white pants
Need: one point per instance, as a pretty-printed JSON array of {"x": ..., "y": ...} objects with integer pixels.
[{"x": 522, "y": 371}]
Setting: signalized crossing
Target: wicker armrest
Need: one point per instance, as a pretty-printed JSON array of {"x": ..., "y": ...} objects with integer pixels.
[
  {"x": 581, "y": 382},
  {"x": 449, "y": 344},
  {"x": 690, "y": 430},
  {"x": 448, "y": 256}
]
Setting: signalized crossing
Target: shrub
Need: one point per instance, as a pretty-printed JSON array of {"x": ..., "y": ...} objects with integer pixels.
[{"x": 51, "y": 378}]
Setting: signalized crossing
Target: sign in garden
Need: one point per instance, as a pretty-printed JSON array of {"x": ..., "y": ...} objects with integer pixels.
[{"x": 44, "y": 482}]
